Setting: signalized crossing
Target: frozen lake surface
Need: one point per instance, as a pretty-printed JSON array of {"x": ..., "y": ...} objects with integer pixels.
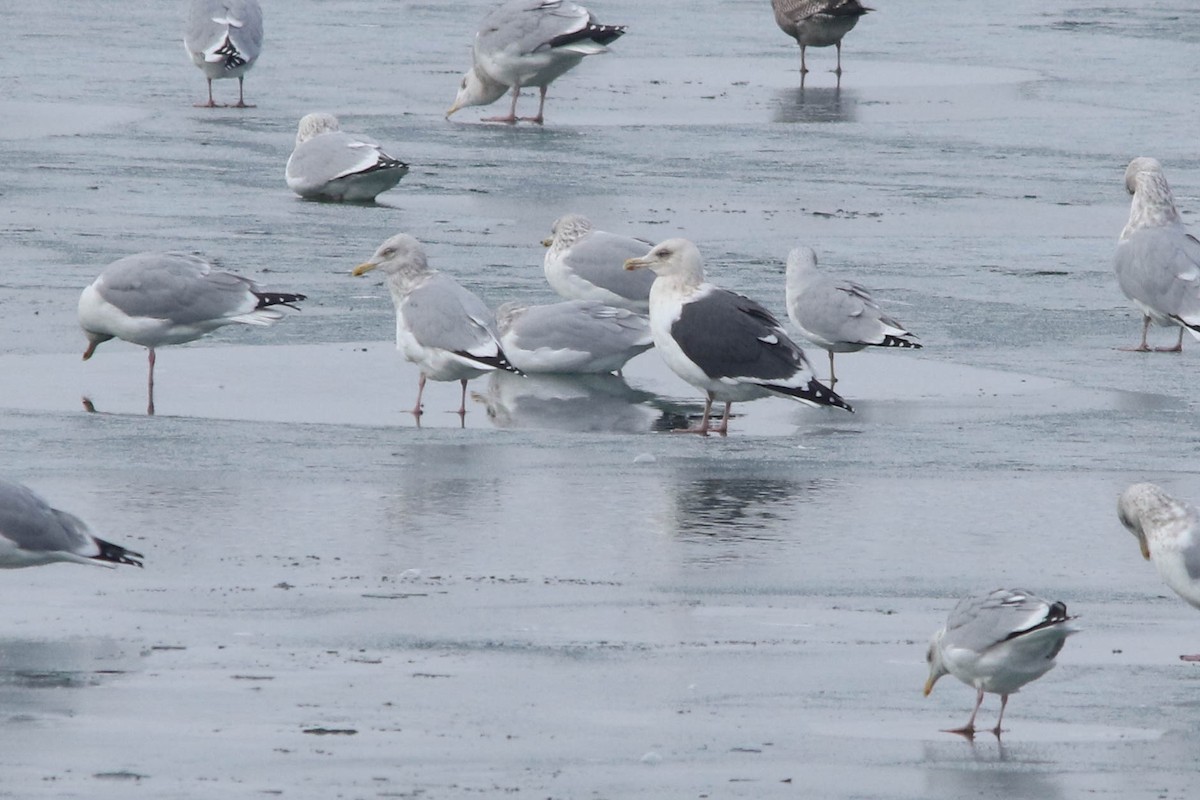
[{"x": 559, "y": 599}]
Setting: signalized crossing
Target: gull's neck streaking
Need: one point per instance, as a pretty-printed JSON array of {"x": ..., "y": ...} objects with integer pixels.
[
  {"x": 1153, "y": 205},
  {"x": 568, "y": 230},
  {"x": 314, "y": 125}
]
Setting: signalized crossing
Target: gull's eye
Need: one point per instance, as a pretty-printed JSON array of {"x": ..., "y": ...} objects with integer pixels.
[
  {"x": 664, "y": 254},
  {"x": 929, "y": 656},
  {"x": 463, "y": 85},
  {"x": 389, "y": 252}
]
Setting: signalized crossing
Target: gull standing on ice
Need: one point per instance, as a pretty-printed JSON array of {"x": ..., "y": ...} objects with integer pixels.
[
  {"x": 1168, "y": 531},
  {"x": 224, "y": 38},
  {"x": 154, "y": 299},
  {"x": 441, "y": 327},
  {"x": 583, "y": 263},
  {"x": 719, "y": 341},
  {"x": 571, "y": 336},
  {"x": 836, "y": 315},
  {"x": 529, "y": 43},
  {"x": 1158, "y": 261},
  {"x": 328, "y": 164},
  {"x": 818, "y": 23},
  {"x": 33, "y": 533},
  {"x": 998, "y": 642}
]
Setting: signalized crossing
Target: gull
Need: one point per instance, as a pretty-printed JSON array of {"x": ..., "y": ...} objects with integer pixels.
[
  {"x": 152, "y": 299},
  {"x": 1168, "y": 531},
  {"x": 328, "y": 164},
  {"x": 837, "y": 315},
  {"x": 571, "y": 336},
  {"x": 1157, "y": 260},
  {"x": 32, "y": 533},
  {"x": 719, "y": 341},
  {"x": 818, "y": 23},
  {"x": 224, "y": 38},
  {"x": 441, "y": 327},
  {"x": 529, "y": 43},
  {"x": 997, "y": 642},
  {"x": 583, "y": 263}
]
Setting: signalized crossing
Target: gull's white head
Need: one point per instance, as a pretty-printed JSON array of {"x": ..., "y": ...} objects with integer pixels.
[
  {"x": 1144, "y": 509},
  {"x": 937, "y": 668},
  {"x": 476, "y": 89},
  {"x": 568, "y": 229},
  {"x": 314, "y": 125},
  {"x": 801, "y": 267},
  {"x": 401, "y": 259},
  {"x": 674, "y": 258},
  {"x": 1153, "y": 204}
]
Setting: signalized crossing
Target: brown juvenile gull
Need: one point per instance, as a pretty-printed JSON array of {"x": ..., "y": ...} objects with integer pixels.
[
  {"x": 1157, "y": 260},
  {"x": 583, "y": 263},
  {"x": 224, "y": 38},
  {"x": 529, "y": 43},
  {"x": 33, "y": 533},
  {"x": 1168, "y": 531},
  {"x": 719, "y": 341},
  {"x": 818, "y": 23},
  {"x": 441, "y": 327},
  {"x": 997, "y": 642},
  {"x": 836, "y": 315},
  {"x": 154, "y": 299}
]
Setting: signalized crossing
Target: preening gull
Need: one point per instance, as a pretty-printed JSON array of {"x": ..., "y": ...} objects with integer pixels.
[
  {"x": 1157, "y": 260},
  {"x": 33, "y": 533},
  {"x": 571, "y": 336},
  {"x": 224, "y": 38},
  {"x": 441, "y": 327},
  {"x": 818, "y": 23},
  {"x": 154, "y": 299},
  {"x": 837, "y": 315},
  {"x": 719, "y": 341},
  {"x": 529, "y": 43},
  {"x": 997, "y": 642},
  {"x": 583, "y": 263},
  {"x": 329, "y": 164},
  {"x": 1168, "y": 531}
]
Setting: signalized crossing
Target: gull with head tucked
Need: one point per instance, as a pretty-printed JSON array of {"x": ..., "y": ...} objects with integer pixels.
[
  {"x": 1157, "y": 261},
  {"x": 329, "y": 164}
]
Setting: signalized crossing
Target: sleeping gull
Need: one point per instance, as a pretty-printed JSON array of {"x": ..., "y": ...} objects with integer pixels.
[
  {"x": 1158, "y": 261},
  {"x": 441, "y": 327},
  {"x": 32, "y": 533},
  {"x": 719, "y": 341},
  {"x": 998, "y": 642},
  {"x": 583, "y": 263},
  {"x": 224, "y": 38},
  {"x": 154, "y": 299},
  {"x": 571, "y": 336},
  {"x": 529, "y": 43},
  {"x": 328, "y": 164},
  {"x": 1168, "y": 531},
  {"x": 837, "y": 315},
  {"x": 818, "y": 23}
]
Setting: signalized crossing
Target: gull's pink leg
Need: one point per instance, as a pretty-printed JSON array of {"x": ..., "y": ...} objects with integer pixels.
[
  {"x": 539, "y": 119},
  {"x": 462, "y": 407},
  {"x": 1195, "y": 657},
  {"x": 1178, "y": 348},
  {"x": 210, "y": 103},
  {"x": 241, "y": 103},
  {"x": 832, "y": 377},
  {"x": 702, "y": 428},
  {"x": 724, "y": 429},
  {"x": 417, "y": 412},
  {"x": 968, "y": 730},
  {"x": 803, "y": 65},
  {"x": 1003, "y": 705},
  {"x": 1143, "y": 347},
  {"x": 150, "y": 385},
  {"x": 511, "y": 119},
  {"x": 838, "y": 71}
]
